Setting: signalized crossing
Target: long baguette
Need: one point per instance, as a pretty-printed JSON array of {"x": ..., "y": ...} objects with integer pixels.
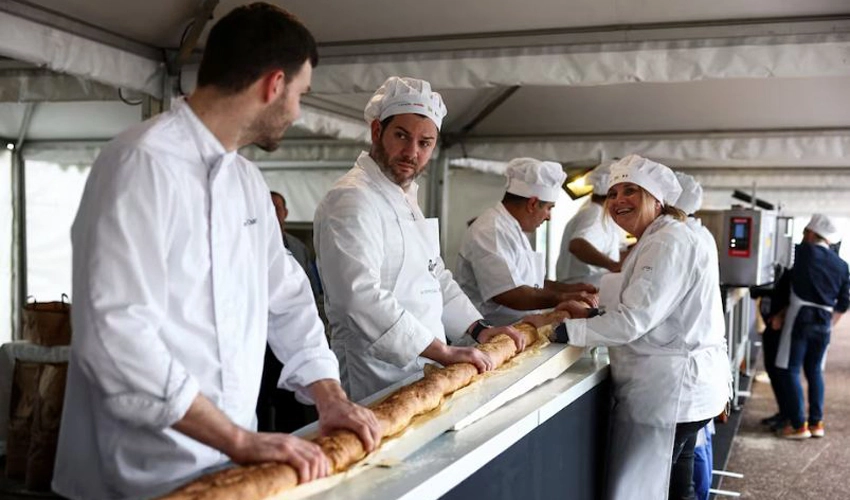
[{"x": 342, "y": 447}]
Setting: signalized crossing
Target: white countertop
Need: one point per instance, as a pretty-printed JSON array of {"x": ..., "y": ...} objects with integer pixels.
[{"x": 452, "y": 457}]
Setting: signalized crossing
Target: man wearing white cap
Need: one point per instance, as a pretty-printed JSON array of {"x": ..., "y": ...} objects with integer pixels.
[
  {"x": 497, "y": 268},
  {"x": 389, "y": 299},
  {"x": 590, "y": 246},
  {"x": 820, "y": 295},
  {"x": 669, "y": 365}
]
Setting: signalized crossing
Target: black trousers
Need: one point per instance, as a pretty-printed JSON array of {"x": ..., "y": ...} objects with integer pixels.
[
  {"x": 778, "y": 383},
  {"x": 682, "y": 473},
  {"x": 277, "y": 409}
]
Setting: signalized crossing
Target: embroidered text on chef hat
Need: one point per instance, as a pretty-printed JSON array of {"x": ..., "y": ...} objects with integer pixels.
[{"x": 402, "y": 95}]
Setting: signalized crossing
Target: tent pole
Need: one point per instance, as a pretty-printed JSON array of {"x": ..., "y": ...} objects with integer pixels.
[{"x": 19, "y": 224}]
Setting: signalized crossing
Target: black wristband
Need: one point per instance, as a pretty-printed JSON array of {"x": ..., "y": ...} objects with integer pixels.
[
  {"x": 479, "y": 327},
  {"x": 560, "y": 334}
]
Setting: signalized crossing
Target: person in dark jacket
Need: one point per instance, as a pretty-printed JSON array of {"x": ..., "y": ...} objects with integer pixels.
[{"x": 820, "y": 294}]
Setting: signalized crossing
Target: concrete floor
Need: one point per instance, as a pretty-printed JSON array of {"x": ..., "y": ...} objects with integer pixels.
[{"x": 777, "y": 469}]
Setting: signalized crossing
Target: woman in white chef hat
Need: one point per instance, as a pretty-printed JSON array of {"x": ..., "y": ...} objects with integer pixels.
[{"x": 668, "y": 361}]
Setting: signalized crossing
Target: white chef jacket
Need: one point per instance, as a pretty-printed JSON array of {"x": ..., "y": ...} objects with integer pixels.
[
  {"x": 670, "y": 304},
  {"x": 588, "y": 224},
  {"x": 359, "y": 248},
  {"x": 179, "y": 272},
  {"x": 495, "y": 257}
]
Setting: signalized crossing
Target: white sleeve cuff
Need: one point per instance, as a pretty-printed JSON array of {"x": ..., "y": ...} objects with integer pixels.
[
  {"x": 402, "y": 343},
  {"x": 458, "y": 314},
  {"x": 146, "y": 410},
  {"x": 577, "y": 331},
  {"x": 306, "y": 367}
]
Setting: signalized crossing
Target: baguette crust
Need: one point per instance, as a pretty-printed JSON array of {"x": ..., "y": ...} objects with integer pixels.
[{"x": 342, "y": 447}]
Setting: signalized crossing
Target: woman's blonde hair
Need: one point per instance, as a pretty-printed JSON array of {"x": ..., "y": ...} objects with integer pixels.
[{"x": 647, "y": 202}]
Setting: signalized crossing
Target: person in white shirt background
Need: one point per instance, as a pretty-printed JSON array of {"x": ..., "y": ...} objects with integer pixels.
[
  {"x": 667, "y": 336},
  {"x": 590, "y": 246},
  {"x": 389, "y": 299},
  {"x": 689, "y": 202},
  {"x": 497, "y": 267},
  {"x": 179, "y": 277}
]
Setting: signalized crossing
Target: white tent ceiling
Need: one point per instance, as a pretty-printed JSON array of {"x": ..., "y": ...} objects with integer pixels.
[{"x": 755, "y": 84}]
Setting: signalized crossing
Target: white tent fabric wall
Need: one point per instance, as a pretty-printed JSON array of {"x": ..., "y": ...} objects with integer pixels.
[
  {"x": 565, "y": 209},
  {"x": 742, "y": 150},
  {"x": 470, "y": 193},
  {"x": 5, "y": 246},
  {"x": 42, "y": 45},
  {"x": 53, "y": 194},
  {"x": 303, "y": 189}
]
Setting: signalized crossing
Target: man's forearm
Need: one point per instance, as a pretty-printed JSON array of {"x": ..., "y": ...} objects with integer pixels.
[
  {"x": 559, "y": 287},
  {"x": 436, "y": 351},
  {"x": 205, "y": 423},
  {"x": 325, "y": 392},
  {"x": 526, "y": 298},
  {"x": 588, "y": 254}
]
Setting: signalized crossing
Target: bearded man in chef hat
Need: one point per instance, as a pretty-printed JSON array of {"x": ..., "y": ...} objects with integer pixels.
[{"x": 391, "y": 303}]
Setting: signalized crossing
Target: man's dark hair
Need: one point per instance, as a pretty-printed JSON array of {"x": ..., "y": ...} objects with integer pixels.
[
  {"x": 252, "y": 40},
  {"x": 513, "y": 198},
  {"x": 386, "y": 123},
  {"x": 516, "y": 199},
  {"x": 275, "y": 193}
]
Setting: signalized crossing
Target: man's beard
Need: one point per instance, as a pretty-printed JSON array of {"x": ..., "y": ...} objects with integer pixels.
[
  {"x": 268, "y": 130},
  {"x": 266, "y": 138},
  {"x": 379, "y": 154}
]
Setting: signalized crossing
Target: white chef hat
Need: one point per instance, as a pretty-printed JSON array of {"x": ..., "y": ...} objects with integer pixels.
[
  {"x": 691, "y": 198},
  {"x": 598, "y": 177},
  {"x": 655, "y": 178},
  {"x": 402, "y": 95},
  {"x": 530, "y": 178},
  {"x": 824, "y": 227}
]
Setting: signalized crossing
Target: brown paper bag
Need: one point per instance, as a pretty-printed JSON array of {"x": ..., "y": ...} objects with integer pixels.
[
  {"x": 45, "y": 426},
  {"x": 47, "y": 323},
  {"x": 21, "y": 413}
]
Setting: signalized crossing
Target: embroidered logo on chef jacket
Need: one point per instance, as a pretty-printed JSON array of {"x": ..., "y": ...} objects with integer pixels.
[
  {"x": 250, "y": 222},
  {"x": 646, "y": 269}
]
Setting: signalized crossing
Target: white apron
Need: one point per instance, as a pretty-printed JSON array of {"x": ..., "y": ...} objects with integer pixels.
[
  {"x": 643, "y": 419},
  {"x": 418, "y": 291},
  {"x": 647, "y": 390},
  {"x": 783, "y": 353}
]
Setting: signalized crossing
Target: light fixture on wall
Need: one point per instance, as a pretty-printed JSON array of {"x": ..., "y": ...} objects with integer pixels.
[
  {"x": 577, "y": 186},
  {"x": 10, "y": 146}
]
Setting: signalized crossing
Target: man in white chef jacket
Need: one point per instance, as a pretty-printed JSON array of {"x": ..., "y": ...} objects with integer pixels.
[
  {"x": 497, "y": 267},
  {"x": 390, "y": 301},
  {"x": 179, "y": 274},
  {"x": 590, "y": 247}
]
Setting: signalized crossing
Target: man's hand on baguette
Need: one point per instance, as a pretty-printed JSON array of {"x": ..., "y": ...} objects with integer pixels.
[
  {"x": 575, "y": 308},
  {"x": 448, "y": 355},
  {"x": 304, "y": 456},
  {"x": 336, "y": 411},
  {"x": 513, "y": 333}
]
